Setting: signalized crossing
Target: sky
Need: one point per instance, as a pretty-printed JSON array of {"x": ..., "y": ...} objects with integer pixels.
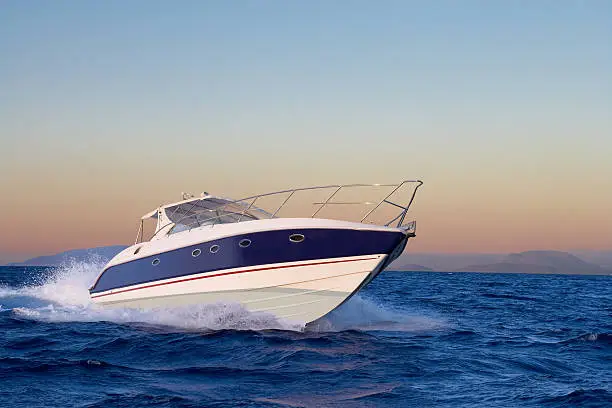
[{"x": 504, "y": 109}]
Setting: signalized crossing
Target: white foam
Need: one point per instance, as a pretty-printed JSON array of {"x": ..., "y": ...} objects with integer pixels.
[
  {"x": 590, "y": 337},
  {"x": 67, "y": 284},
  {"x": 360, "y": 313},
  {"x": 63, "y": 296}
]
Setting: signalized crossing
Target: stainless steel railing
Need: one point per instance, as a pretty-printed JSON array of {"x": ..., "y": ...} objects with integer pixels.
[{"x": 228, "y": 211}]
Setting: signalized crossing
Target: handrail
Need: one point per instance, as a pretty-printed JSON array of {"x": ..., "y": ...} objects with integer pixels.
[
  {"x": 419, "y": 184},
  {"x": 328, "y": 201},
  {"x": 283, "y": 204},
  {"x": 382, "y": 201}
]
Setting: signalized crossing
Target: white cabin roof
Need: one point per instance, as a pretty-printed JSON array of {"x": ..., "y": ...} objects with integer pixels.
[
  {"x": 196, "y": 210},
  {"x": 193, "y": 200}
]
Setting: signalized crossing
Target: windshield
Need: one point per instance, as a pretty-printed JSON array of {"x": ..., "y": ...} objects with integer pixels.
[{"x": 210, "y": 211}]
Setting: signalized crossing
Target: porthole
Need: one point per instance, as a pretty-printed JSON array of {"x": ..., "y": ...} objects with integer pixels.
[
  {"x": 155, "y": 262},
  {"x": 137, "y": 250},
  {"x": 214, "y": 248},
  {"x": 244, "y": 243},
  {"x": 296, "y": 238},
  {"x": 196, "y": 252}
]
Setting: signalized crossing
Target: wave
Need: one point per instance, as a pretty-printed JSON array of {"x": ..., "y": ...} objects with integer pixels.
[
  {"x": 343, "y": 397},
  {"x": 62, "y": 295},
  {"x": 363, "y": 314},
  {"x": 13, "y": 365},
  {"x": 507, "y": 296},
  {"x": 585, "y": 398},
  {"x": 601, "y": 338}
]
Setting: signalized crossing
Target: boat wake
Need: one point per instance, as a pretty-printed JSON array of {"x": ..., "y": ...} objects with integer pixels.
[
  {"x": 61, "y": 295},
  {"x": 363, "y": 314}
]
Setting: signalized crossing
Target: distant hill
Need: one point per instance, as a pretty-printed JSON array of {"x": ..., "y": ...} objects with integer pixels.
[
  {"x": 603, "y": 258},
  {"x": 409, "y": 267},
  {"x": 540, "y": 262},
  {"x": 597, "y": 262},
  {"x": 103, "y": 254},
  {"x": 445, "y": 262},
  {"x": 509, "y": 267}
]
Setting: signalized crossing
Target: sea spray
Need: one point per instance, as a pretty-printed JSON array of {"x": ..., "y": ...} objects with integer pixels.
[
  {"x": 361, "y": 313},
  {"x": 61, "y": 295}
]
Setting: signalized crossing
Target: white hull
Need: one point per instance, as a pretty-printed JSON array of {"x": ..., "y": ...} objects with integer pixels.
[{"x": 298, "y": 291}]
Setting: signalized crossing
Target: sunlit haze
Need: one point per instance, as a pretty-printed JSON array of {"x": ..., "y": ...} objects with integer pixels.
[{"x": 504, "y": 109}]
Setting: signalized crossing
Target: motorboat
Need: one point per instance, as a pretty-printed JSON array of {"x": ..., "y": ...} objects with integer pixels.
[{"x": 297, "y": 261}]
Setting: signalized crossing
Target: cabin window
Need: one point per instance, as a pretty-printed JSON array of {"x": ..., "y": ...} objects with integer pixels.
[
  {"x": 137, "y": 250},
  {"x": 244, "y": 243},
  {"x": 214, "y": 249},
  {"x": 196, "y": 252},
  {"x": 155, "y": 262},
  {"x": 296, "y": 238}
]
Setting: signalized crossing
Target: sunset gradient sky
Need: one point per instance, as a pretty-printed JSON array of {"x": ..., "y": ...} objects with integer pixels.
[{"x": 504, "y": 109}]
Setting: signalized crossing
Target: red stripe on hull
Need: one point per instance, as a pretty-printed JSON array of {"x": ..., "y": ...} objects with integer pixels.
[{"x": 232, "y": 273}]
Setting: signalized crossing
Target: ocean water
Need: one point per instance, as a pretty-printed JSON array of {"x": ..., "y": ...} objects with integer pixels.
[{"x": 409, "y": 339}]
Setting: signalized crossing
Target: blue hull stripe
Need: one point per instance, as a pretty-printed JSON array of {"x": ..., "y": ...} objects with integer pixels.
[{"x": 267, "y": 247}]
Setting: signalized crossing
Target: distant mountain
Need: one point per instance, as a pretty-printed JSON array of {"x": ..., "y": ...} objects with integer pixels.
[
  {"x": 102, "y": 254},
  {"x": 540, "y": 262},
  {"x": 588, "y": 262},
  {"x": 445, "y": 262},
  {"x": 409, "y": 267},
  {"x": 603, "y": 258},
  {"x": 509, "y": 267}
]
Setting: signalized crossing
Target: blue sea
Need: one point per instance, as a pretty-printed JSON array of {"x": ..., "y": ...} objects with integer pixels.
[{"x": 409, "y": 339}]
